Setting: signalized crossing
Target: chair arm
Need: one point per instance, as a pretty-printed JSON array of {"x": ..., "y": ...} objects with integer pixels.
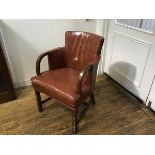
[
  {"x": 89, "y": 67},
  {"x": 42, "y": 56}
]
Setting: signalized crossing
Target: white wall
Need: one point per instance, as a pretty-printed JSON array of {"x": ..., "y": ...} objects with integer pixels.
[
  {"x": 26, "y": 39},
  {"x": 83, "y": 25},
  {"x": 102, "y": 26}
]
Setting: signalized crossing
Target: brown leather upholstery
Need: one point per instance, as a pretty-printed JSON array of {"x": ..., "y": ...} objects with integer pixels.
[
  {"x": 61, "y": 84},
  {"x": 81, "y": 48},
  {"x": 56, "y": 58},
  {"x": 72, "y": 70}
]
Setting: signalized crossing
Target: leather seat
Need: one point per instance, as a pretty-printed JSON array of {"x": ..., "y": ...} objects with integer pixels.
[
  {"x": 61, "y": 84},
  {"x": 71, "y": 76}
]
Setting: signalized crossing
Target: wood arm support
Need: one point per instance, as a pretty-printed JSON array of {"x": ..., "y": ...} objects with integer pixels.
[
  {"x": 43, "y": 55},
  {"x": 90, "y": 68},
  {"x": 81, "y": 77},
  {"x": 39, "y": 61}
]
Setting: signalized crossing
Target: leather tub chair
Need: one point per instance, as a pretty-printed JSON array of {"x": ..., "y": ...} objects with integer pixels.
[{"x": 72, "y": 72}]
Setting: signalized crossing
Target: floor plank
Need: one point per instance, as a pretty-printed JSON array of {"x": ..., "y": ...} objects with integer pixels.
[{"x": 116, "y": 113}]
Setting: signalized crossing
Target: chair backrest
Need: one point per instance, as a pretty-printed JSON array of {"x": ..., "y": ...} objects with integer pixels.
[{"x": 82, "y": 48}]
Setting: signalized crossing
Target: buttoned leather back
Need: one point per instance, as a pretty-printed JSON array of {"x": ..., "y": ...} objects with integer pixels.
[{"x": 81, "y": 48}]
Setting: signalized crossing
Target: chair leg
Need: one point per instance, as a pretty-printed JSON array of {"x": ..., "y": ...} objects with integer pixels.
[
  {"x": 74, "y": 121},
  {"x": 38, "y": 99},
  {"x": 93, "y": 99}
]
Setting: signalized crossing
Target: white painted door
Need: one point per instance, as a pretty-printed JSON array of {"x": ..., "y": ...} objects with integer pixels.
[
  {"x": 130, "y": 55},
  {"x": 151, "y": 97}
]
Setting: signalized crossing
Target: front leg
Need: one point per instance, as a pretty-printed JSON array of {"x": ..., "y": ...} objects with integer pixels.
[
  {"x": 38, "y": 99},
  {"x": 74, "y": 121}
]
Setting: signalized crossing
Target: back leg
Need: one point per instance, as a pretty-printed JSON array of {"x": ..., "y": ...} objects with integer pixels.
[{"x": 92, "y": 100}]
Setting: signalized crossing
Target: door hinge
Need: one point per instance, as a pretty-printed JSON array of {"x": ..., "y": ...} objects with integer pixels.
[{"x": 149, "y": 104}]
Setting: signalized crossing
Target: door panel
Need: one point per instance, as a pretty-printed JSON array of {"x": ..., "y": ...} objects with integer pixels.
[
  {"x": 151, "y": 97},
  {"x": 124, "y": 60},
  {"x": 129, "y": 58}
]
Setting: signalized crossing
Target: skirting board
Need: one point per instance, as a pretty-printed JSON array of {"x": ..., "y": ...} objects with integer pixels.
[{"x": 22, "y": 83}]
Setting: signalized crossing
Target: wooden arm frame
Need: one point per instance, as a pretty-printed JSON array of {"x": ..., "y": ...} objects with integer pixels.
[
  {"x": 39, "y": 61},
  {"x": 42, "y": 56},
  {"x": 90, "y": 68},
  {"x": 81, "y": 77}
]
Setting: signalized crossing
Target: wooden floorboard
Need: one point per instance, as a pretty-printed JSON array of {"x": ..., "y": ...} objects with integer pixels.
[{"x": 116, "y": 113}]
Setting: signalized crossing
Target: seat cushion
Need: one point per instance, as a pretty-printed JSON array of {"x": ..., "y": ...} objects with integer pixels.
[{"x": 61, "y": 84}]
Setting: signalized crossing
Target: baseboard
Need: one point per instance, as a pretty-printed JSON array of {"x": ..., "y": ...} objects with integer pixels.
[
  {"x": 22, "y": 83},
  {"x": 124, "y": 90}
]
